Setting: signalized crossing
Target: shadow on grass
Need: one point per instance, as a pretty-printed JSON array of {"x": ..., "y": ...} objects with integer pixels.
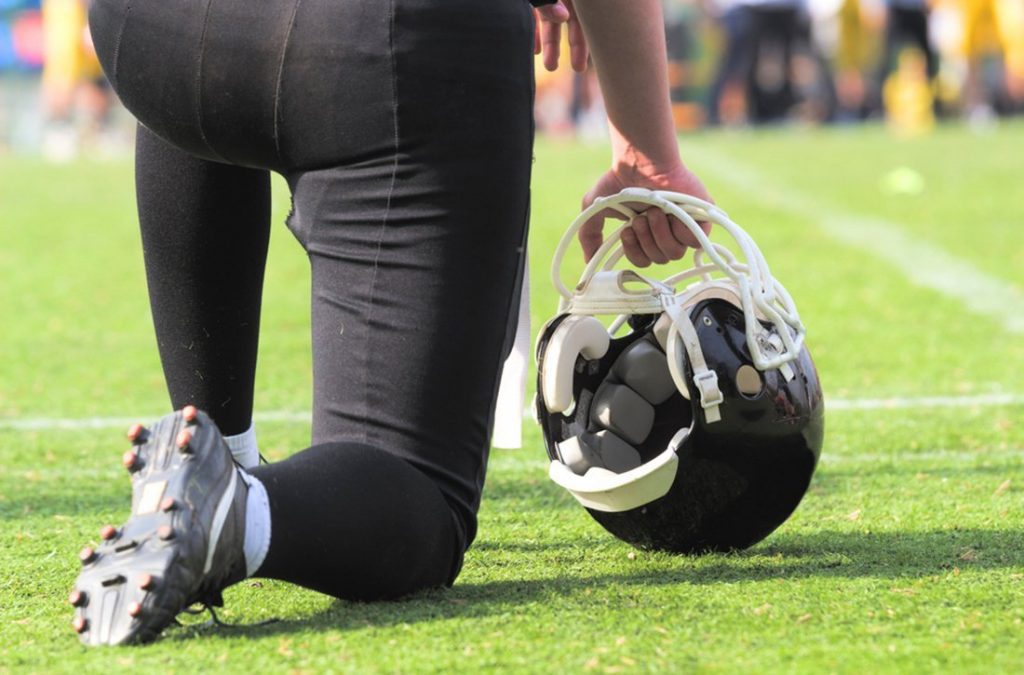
[
  {"x": 827, "y": 478},
  {"x": 899, "y": 557},
  {"x": 63, "y": 495}
]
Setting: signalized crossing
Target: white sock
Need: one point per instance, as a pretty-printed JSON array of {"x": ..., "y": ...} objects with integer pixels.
[
  {"x": 257, "y": 524},
  {"x": 243, "y": 447}
]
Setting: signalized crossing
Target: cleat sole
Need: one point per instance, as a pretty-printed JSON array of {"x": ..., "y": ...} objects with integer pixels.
[{"x": 152, "y": 545}]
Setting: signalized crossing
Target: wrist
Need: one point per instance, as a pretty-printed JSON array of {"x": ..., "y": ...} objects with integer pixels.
[
  {"x": 635, "y": 168},
  {"x": 633, "y": 162}
]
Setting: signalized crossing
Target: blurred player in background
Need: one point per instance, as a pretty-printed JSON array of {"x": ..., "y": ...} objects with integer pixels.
[
  {"x": 73, "y": 82},
  {"x": 906, "y": 24},
  {"x": 854, "y": 37},
  {"x": 993, "y": 46},
  {"x": 770, "y": 68}
]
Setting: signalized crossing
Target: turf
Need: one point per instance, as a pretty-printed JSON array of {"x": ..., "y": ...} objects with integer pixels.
[{"x": 907, "y": 555}]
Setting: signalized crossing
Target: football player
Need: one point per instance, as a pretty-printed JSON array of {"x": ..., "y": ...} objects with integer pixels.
[{"x": 404, "y": 131}]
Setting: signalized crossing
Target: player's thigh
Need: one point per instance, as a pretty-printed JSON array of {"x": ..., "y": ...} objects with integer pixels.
[{"x": 416, "y": 251}]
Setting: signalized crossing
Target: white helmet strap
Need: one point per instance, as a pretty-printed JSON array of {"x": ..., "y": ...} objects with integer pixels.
[{"x": 704, "y": 378}]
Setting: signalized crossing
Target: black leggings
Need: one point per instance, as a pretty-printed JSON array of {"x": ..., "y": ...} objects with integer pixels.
[{"x": 404, "y": 130}]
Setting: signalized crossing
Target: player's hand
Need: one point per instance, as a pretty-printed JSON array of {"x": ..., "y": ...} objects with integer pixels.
[
  {"x": 548, "y": 35},
  {"x": 653, "y": 237}
]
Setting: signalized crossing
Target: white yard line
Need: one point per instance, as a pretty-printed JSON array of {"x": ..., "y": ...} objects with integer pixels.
[
  {"x": 80, "y": 423},
  {"x": 921, "y": 262},
  {"x": 294, "y": 417},
  {"x": 902, "y": 403},
  {"x": 903, "y": 456}
]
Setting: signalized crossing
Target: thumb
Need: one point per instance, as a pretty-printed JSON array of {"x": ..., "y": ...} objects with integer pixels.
[{"x": 591, "y": 236}]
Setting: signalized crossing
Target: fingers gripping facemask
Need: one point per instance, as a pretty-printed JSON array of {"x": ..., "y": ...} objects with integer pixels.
[{"x": 603, "y": 469}]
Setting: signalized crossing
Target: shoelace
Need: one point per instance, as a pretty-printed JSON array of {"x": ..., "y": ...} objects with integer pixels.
[
  {"x": 215, "y": 620},
  {"x": 210, "y": 592}
]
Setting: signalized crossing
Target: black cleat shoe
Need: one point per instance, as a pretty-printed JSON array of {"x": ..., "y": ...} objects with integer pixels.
[{"x": 183, "y": 543}]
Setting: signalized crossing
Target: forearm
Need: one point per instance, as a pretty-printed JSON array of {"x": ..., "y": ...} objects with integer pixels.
[{"x": 627, "y": 44}]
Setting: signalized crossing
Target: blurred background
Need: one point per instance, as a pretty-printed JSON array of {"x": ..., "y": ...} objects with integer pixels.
[
  {"x": 911, "y": 64},
  {"x": 736, "y": 63}
]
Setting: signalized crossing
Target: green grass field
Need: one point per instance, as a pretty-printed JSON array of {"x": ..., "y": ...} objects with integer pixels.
[{"x": 907, "y": 554}]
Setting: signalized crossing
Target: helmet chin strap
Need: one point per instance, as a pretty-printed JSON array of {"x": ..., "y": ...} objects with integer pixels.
[{"x": 704, "y": 378}]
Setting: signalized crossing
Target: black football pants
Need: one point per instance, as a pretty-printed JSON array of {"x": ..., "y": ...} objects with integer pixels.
[{"x": 404, "y": 130}]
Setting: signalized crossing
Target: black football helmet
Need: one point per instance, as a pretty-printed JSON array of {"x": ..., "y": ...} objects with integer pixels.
[{"x": 694, "y": 420}]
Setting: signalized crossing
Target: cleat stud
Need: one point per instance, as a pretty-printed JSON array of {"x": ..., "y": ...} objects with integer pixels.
[
  {"x": 146, "y": 581},
  {"x": 108, "y": 532},
  {"x": 190, "y": 413},
  {"x": 135, "y": 433},
  {"x": 79, "y": 624},
  {"x": 77, "y": 598},
  {"x": 130, "y": 460},
  {"x": 134, "y": 609},
  {"x": 165, "y": 532},
  {"x": 184, "y": 438},
  {"x": 87, "y": 555},
  {"x": 168, "y": 504}
]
